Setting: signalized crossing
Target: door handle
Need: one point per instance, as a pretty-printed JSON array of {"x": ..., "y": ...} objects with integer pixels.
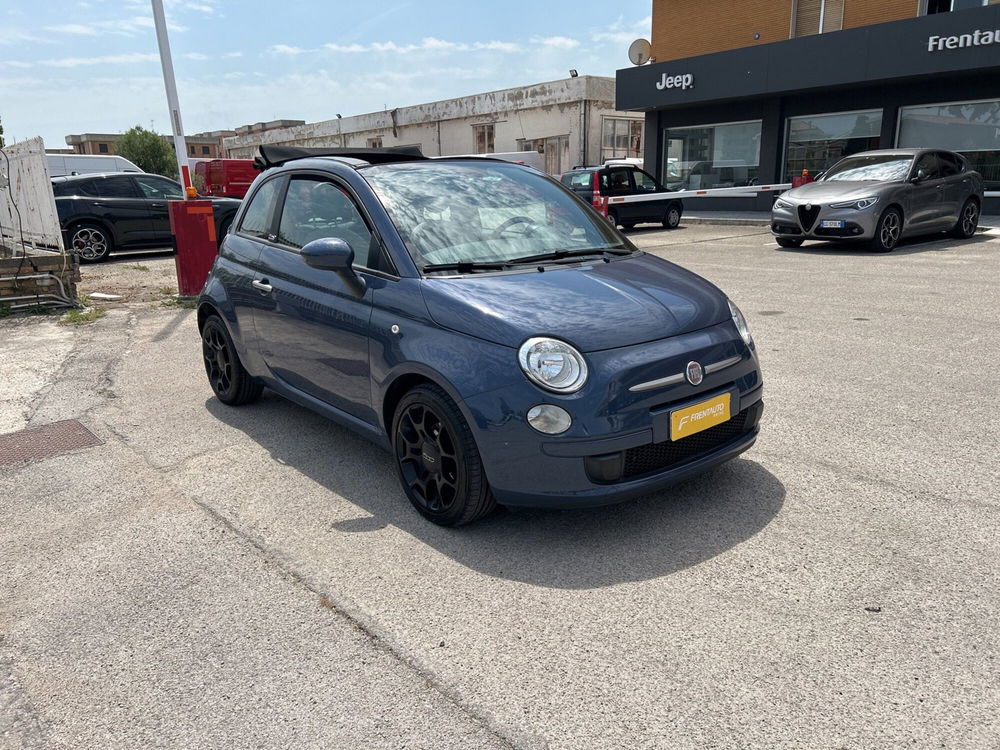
[
  {"x": 99, "y": 204},
  {"x": 262, "y": 286},
  {"x": 156, "y": 205}
]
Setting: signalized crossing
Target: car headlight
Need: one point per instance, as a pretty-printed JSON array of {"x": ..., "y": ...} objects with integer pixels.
[
  {"x": 858, "y": 204},
  {"x": 782, "y": 204},
  {"x": 741, "y": 324},
  {"x": 553, "y": 364}
]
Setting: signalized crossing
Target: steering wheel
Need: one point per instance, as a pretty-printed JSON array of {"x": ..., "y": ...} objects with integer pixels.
[{"x": 513, "y": 220}]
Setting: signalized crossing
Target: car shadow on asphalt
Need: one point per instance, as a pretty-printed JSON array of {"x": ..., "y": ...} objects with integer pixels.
[
  {"x": 641, "y": 539},
  {"x": 930, "y": 243}
]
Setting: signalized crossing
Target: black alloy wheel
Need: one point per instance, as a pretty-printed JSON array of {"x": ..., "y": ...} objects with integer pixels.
[
  {"x": 887, "y": 231},
  {"x": 91, "y": 242},
  {"x": 230, "y": 382},
  {"x": 968, "y": 220},
  {"x": 437, "y": 460},
  {"x": 788, "y": 242},
  {"x": 672, "y": 219}
]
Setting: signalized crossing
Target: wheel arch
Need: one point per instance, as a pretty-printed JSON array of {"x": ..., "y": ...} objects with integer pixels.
[
  {"x": 76, "y": 221},
  {"x": 403, "y": 382}
]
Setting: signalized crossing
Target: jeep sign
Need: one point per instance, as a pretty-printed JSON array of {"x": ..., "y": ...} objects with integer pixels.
[{"x": 684, "y": 81}]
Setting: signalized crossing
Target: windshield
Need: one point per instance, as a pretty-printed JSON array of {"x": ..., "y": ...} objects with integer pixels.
[
  {"x": 879, "y": 168},
  {"x": 466, "y": 212}
]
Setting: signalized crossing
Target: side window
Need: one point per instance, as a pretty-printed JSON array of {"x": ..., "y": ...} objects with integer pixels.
[
  {"x": 644, "y": 183},
  {"x": 950, "y": 166},
  {"x": 158, "y": 189},
  {"x": 315, "y": 209},
  {"x": 116, "y": 187},
  {"x": 929, "y": 164},
  {"x": 618, "y": 181},
  {"x": 581, "y": 180},
  {"x": 257, "y": 219}
]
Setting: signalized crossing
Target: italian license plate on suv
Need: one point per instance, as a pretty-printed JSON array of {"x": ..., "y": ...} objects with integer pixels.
[
  {"x": 832, "y": 224},
  {"x": 700, "y": 416}
]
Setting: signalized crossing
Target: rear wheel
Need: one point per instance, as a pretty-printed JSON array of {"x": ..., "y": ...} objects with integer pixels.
[
  {"x": 91, "y": 242},
  {"x": 968, "y": 221},
  {"x": 230, "y": 381},
  {"x": 628, "y": 225},
  {"x": 887, "y": 231},
  {"x": 672, "y": 219},
  {"x": 437, "y": 461},
  {"x": 613, "y": 218},
  {"x": 787, "y": 242}
]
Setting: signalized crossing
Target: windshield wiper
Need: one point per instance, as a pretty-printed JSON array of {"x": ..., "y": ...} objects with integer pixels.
[
  {"x": 573, "y": 253},
  {"x": 466, "y": 266}
]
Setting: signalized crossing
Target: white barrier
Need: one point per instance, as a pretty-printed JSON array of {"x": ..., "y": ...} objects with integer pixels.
[{"x": 28, "y": 217}]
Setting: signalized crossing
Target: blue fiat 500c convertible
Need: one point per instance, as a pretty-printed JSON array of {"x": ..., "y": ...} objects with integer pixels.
[{"x": 483, "y": 324}]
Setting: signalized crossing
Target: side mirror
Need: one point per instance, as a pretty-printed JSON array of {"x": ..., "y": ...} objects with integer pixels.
[
  {"x": 921, "y": 175},
  {"x": 334, "y": 254}
]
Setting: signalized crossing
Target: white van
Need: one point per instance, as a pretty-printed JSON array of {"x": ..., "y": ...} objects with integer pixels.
[{"x": 67, "y": 164}]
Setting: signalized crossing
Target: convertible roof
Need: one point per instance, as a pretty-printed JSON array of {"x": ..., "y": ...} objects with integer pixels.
[{"x": 275, "y": 156}]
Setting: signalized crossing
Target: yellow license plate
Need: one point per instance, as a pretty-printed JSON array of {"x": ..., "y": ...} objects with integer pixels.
[{"x": 692, "y": 419}]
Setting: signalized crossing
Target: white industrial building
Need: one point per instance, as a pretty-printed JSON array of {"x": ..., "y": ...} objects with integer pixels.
[{"x": 570, "y": 122}]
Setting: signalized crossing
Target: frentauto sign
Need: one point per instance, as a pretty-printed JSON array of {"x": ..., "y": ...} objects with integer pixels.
[{"x": 976, "y": 39}]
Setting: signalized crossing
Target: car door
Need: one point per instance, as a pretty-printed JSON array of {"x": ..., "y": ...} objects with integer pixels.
[
  {"x": 956, "y": 186},
  {"x": 156, "y": 191},
  {"x": 616, "y": 182},
  {"x": 645, "y": 184},
  {"x": 312, "y": 331},
  {"x": 120, "y": 205},
  {"x": 926, "y": 194}
]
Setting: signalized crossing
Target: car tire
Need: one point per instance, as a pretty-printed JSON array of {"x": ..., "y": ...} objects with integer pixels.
[
  {"x": 887, "y": 231},
  {"x": 968, "y": 221},
  {"x": 230, "y": 381},
  {"x": 788, "y": 242},
  {"x": 91, "y": 242},
  {"x": 613, "y": 218},
  {"x": 437, "y": 461},
  {"x": 672, "y": 218},
  {"x": 628, "y": 226}
]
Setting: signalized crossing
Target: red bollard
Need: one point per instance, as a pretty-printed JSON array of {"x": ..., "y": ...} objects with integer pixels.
[{"x": 193, "y": 225}]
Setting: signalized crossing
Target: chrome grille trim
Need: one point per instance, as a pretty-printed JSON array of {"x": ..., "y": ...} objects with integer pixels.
[{"x": 650, "y": 385}]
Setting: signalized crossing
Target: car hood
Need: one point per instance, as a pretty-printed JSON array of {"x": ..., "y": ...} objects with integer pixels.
[
  {"x": 836, "y": 190},
  {"x": 593, "y": 306}
]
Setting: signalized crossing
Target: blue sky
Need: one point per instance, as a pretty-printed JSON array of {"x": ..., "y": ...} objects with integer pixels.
[{"x": 91, "y": 66}]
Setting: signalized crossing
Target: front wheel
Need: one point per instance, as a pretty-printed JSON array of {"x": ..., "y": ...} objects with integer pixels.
[
  {"x": 230, "y": 381},
  {"x": 786, "y": 242},
  {"x": 968, "y": 221},
  {"x": 91, "y": 242},
  {"x": 672, "y": 219},
  {"x": 613, "y": 218},
  {"x": 887, "y": 231},
  {"x": 437, "y": 461}
]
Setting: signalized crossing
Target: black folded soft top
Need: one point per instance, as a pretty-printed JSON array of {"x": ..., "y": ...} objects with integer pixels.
[{"x": 275, "y": 156}]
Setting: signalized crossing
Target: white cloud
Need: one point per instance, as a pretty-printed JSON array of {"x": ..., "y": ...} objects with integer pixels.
[
  {"x": 117, "y": 27},
  {"x": 556, "y": 42},
  {"x": 127, "y": 59},
  {"x": 72, "y": 28},
  {"x": 427, "y": 44},
  {"x": 620, "y": 32},
  {"x": 233, "y": 54},
  {"x": 195, "y": 56},
  {"x": 285, "y": 49},
  {"x": 14, "y": 64}
]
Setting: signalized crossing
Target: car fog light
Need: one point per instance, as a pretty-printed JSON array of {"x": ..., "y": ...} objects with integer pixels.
[{"x": 549, "y": 419}]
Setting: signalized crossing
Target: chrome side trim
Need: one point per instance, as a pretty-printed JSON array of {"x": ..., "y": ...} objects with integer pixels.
[
  {"x": 650, "y": 385},
  {"x": 723, "y": 364}
]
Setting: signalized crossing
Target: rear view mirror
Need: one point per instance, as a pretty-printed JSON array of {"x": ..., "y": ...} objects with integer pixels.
[{"x": 334, "y": 254}]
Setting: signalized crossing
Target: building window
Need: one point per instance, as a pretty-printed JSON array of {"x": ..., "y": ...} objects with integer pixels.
[
  {"x": 708, "y": 156},
  {"x": 970, "y": 128},
  {"x": 205, "y": 150},
  {"x": 946, "y": 6},
  {"x": 484, "y": 138},
  {"x": 102, "y": 148},
  {"x": 621, "y": 138},
  {"x": 554, "y": 151},
  {"x": 817, "y": 16},
  {"x": 375, "y": 142},
  {"x": 817, "y": 142},
  {"x": 192, "y": 150}
]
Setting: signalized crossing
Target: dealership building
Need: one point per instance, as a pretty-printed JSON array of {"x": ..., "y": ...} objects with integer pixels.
[{"x": 754, "y": 93}]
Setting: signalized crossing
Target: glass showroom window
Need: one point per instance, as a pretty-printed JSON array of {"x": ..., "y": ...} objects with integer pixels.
[
  {"x": 971, "y": 128},
  {"x": 708, "y": 156},
  {"x": 555, "y": 151},
  {"x": 621, "y": 138},
  {"x": 817, "y": 142}
]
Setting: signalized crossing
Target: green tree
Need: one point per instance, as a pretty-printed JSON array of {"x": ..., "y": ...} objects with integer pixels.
[{"x": 148, "y": 150}]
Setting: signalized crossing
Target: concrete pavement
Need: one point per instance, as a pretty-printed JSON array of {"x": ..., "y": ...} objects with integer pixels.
[{"x": 224, "y": 577}]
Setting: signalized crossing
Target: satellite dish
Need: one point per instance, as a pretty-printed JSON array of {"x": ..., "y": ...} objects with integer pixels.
[{"x": 640, "y": 52}]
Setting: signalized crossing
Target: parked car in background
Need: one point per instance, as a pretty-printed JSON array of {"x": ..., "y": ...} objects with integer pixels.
[
  {"x": 69, "y": 164},
  {"x": 879, "y": 197},
  {"x": 102, "y": 213},
  {"x": 599, "y": 186},
  {"x": 226, "y": 178},
  {"x": 503, "y": 341}
]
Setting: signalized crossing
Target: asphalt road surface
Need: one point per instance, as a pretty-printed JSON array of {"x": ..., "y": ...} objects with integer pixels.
[{"x": 218, "y": 577}]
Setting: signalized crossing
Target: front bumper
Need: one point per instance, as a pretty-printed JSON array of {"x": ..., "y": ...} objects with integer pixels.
[
  {"x": 798, "y": 222},
  {"x": 618, "y": 446}
]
